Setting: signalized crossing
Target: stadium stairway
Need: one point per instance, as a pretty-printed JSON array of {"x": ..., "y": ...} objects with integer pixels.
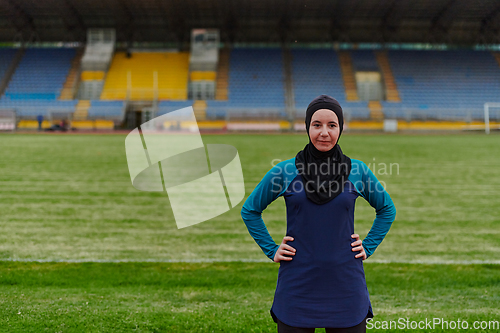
[
  {"x": 391, "y": 90},
  {"x": 351, "y": 91},
  {"x": 202, "y": 84},
  {"x": 68, "y": 90},
  {"x": 497, "y": 57},
  {"x": 82, "y": 110},
  {"x": 91, "y": 83},
  {"x": 221, "y": 83},
  {"x": 375, "y": 110},
  {"x": 9, "y": 60},
  {"x": 289, "y": 93},
  {"x": 200, "y": 109},
  {"x": 172, "y": 70}
]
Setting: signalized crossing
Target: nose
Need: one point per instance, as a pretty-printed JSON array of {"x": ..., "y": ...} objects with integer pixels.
[{"x": 324, "y": 131}]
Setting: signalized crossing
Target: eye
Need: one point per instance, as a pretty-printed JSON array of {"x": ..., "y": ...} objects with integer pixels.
[
  {"x": 316, "y": 125},
  {"x": 333, "y": 125}
]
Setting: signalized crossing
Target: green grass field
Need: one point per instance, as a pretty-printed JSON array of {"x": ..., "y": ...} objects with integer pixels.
[{"x": 69, "y": 197}]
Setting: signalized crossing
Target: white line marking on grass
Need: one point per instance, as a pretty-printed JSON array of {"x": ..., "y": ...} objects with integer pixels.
[
  {"x": 135, "y": 260},
  {"x": 435, "y": 262},
  {"x": 376, "y": 261}
]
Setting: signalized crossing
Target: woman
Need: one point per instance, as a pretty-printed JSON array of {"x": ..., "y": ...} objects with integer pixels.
[{"x": 321, "y": 281}]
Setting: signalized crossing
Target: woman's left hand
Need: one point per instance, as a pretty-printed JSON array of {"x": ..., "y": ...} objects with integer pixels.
[{"x": 358, "y": 247}]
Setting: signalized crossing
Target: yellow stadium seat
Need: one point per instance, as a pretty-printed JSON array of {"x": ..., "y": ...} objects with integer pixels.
[
  {"x": 103, "y": 124},
  {"x": 33, "y": 124},
  {"x": 82, "y": 124},
  {"x": 92, "y": 75},
  {"x": 203, "y": 76},
  {"x": 172, "y": 74}
]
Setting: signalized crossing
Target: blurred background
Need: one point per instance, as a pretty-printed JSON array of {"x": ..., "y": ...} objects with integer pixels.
[{"x": 249, "y": 65}]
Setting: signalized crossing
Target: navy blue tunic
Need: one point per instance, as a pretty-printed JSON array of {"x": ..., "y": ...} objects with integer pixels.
[
  {"x": 324, "y": 284},
  {"x": 324, "y": 269}
]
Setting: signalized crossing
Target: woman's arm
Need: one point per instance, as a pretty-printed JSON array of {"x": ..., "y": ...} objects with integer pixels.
[
  {"x": 269, "y": 189},
  {"x": 376, "y": 195}
]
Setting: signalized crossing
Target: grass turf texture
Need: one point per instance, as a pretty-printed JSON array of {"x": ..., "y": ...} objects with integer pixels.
[
  {"x": 220, "y": 297},
  {"x": 70, "y": 197}
]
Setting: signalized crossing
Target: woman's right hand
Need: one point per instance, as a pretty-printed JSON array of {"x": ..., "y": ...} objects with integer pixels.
[{"x": 284, "y": 249}]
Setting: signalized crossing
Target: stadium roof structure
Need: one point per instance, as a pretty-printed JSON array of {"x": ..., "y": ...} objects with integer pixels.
[{"x": 272, "y": 21}]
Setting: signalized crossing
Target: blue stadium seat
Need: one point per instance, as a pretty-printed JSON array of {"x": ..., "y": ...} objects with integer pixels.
[
  {"x": 169, "y": 106},
  {"x": 37, "y": 82},
  {"x": 40, "y": 74},
  {"x": 256, "y": 80},
  {"x": 106, "y": 109},
  {"x": 217, "y": 109},
  {"x": 443, "y": 84},
  {"x": 30, "y": 108},
  {"x": 316, "y": 72},
  {"x": 364, "y": 60}
]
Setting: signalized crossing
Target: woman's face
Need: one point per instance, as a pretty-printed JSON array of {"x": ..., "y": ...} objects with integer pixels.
[{"x": 324, "y": 129}]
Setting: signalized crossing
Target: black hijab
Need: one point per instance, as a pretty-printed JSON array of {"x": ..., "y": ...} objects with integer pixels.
[{"x": 324, "y": 172}]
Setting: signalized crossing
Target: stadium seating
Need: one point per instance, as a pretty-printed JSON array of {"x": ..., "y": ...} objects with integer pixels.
[
  {"x": 256, "y": 81},
  {"x": 6, "y": 57},
  {"x": 37, "y": 82},
  {"x": 316, "y": 72},
  {"x": 172, "y": 69},
  {"x": 217, "y": 109},
  {"x": 451, "y": 84},
  {"x": 443, "y": 84},
  {"x": 106, "y": 109},
  {"x": 40, "y": 74},
  {"x": 169, "y": 106},
  {"x": 30, "y": 108},
  {"x": 364, "y": 60}
]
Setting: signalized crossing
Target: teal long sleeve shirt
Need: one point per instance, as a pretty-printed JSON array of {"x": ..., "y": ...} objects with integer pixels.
[{"x": 276, "y": 182}]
